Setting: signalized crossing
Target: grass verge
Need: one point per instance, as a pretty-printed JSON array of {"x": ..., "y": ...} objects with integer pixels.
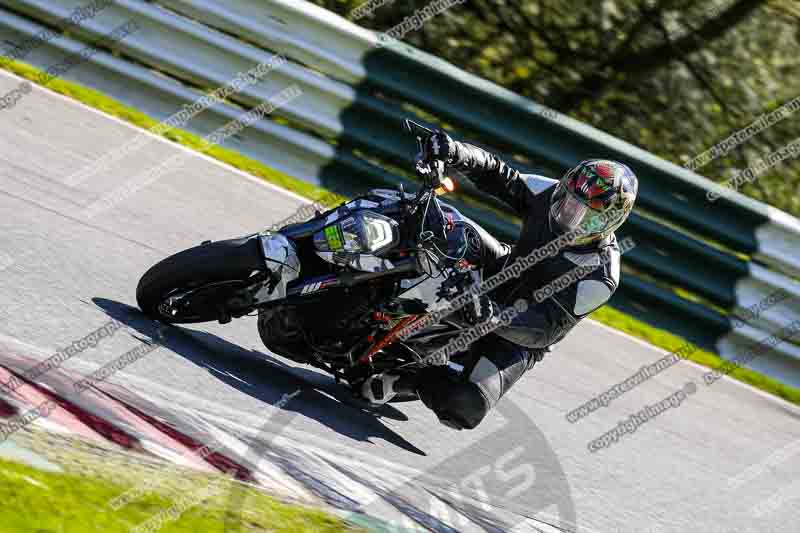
[
  {"x": 172, "y": 499},
  {"x": 606, "y": 315}
]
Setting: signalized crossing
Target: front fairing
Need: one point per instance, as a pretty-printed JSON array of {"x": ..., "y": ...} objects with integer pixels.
[
  {"x": 383, "y": 202},
  {"x": 450, "y": 245},
  {"x": 455, "y": 247},
  {"x": 301, "y": 230}
]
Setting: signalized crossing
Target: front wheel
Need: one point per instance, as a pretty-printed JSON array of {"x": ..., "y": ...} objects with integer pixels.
[{"x": 191, "y": 286}]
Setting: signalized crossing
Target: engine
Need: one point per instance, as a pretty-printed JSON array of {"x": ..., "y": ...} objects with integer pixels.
[{"x": 327, "y": 325}]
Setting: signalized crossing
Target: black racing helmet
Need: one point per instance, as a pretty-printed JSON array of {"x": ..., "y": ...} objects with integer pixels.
[{"x": 594, "y": 198}]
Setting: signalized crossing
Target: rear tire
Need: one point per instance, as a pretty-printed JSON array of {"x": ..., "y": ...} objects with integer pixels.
[{"x": 215, "y": 262}]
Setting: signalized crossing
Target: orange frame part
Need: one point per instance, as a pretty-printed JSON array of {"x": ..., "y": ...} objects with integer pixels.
[{"x": 388, "y": 338}]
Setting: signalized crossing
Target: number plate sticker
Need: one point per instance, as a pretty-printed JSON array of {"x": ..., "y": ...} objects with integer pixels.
[{"x": 334, "y": 237}]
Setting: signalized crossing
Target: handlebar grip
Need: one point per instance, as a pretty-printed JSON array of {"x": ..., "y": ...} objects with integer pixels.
[{"x": 435, "y": 170}]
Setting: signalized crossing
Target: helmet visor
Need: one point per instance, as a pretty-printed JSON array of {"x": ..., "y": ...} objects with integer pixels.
[{"x": 570, "y": 214}]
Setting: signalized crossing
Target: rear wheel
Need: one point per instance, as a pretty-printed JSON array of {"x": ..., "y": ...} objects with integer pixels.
[{"x": 191, "y": 285}]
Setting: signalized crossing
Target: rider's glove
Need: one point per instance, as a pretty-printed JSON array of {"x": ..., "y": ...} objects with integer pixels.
[
  {"x": 480, "y": 309},
  {"x": 441, "y": 147}
]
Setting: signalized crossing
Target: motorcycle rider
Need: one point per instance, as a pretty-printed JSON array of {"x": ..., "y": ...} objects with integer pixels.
[{"x": 597, "y": 195}]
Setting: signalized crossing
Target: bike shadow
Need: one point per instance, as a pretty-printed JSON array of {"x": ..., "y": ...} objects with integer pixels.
[{"x": 266, "y": 378}]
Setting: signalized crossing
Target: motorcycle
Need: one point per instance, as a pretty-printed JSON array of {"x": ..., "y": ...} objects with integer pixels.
[{"x": 329, "y": 292}]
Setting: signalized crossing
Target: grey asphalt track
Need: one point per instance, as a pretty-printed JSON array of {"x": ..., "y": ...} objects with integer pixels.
[{"x": 65, "y": 274}]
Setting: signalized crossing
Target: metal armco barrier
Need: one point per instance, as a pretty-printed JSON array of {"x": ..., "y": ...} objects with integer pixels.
[{"x": 352, "y": 103}]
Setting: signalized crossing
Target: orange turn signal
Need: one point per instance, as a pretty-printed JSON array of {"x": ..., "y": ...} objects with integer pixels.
[{"x": 446, "y": 187}]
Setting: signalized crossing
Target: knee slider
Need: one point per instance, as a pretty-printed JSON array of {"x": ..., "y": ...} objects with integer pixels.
[
  {"x": 467, "y": 406},
  {"x": 460, "y": 405}
]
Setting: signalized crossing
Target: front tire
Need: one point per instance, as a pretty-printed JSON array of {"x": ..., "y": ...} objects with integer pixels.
[{"x": 224, "y": 264}]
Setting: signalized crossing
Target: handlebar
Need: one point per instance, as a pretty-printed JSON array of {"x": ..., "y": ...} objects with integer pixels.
[
  {"x": 431, "y": 171},
  {"x": 433, "y": 224}
]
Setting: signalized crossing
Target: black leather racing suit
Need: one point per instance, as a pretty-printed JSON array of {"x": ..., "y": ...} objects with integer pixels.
[{"x": 496, "y": 361}]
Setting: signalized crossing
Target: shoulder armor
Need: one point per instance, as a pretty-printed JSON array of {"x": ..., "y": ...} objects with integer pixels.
[{"x": 591, "y": 294}]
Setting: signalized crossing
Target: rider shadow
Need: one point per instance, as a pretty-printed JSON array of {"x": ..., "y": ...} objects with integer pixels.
[{"x": 266, "y": 378}]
